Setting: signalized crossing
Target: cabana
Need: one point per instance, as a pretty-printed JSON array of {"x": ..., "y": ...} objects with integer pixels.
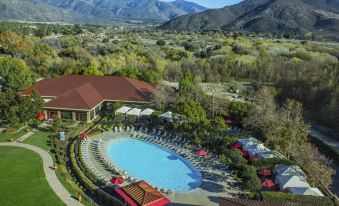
[
  {"x": 167, "y": 116},
  {"x": 122, "y": 110},
  {"x": 141, "y": 194},
  {"x": 305, "y": 191},
  {"x": 134, "y": 112},
  {"x": 287, "y": 170},
  {"x": 254, "y": 149},
  {"x": 269, "y": 155},
  {"x": 247, "y": 141},
  {"x": 286, "y": 182},
  {"x": 146, "y": 112}
]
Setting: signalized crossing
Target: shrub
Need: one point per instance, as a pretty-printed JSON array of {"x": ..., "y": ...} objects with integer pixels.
[
  {"x": 313, "y": 200},
  {"x": 270, "y": 163}
]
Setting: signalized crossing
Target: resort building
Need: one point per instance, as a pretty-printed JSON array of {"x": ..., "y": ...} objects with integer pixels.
[{"x": 81, "y": 98}]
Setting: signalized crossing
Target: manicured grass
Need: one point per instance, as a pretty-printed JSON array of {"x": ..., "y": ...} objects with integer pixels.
[
  {"x": 39, "y": 139},
  {"x": 5, "y": 137},
  {"x": 22, "y": 180}
]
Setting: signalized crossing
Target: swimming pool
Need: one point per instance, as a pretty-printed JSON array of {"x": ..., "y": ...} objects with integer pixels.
[{"x": 156, "y": 165}]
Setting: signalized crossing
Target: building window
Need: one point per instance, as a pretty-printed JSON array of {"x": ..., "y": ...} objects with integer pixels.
[
  {"x": 81, "y": 116},
  {"x": 66, "y": 115},
  {"x": 52, "y": 114}
]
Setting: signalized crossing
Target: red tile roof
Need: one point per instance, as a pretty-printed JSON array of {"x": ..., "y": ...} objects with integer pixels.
[
  {"x": 225, "y": 201},
  {"x": 142, "y": 194},
  {"x": 85, "y": 92}
]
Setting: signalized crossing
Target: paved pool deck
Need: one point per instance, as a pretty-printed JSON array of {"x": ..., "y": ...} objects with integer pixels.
[{"x": 215, "y": 183}]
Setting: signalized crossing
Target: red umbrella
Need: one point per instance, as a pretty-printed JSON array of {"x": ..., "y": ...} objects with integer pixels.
[
  {"x": 253, "y": 159},
  {"x": 40, "y": 116},
  {"x": 267, "y": 183},
  {"x": 201, "y": 153},
  {"x": 235, "y": 146},
  {"x": 265, "y": 172},
  {"x": 84, "y": 135},
  {"x": 244, "y": 153},
  {"x": 117, "y": 180}
]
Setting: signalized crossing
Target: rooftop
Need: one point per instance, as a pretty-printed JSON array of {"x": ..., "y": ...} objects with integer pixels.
[{"x": 85, "y": 92}]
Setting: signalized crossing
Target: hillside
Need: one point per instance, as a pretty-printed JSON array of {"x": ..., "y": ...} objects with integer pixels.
[
  {"x": 265, "y": 16},
  {"x": 93, "y": 11}
]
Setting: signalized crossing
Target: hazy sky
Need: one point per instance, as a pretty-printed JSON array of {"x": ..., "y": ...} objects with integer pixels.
[{"x": 213, "y": 3}]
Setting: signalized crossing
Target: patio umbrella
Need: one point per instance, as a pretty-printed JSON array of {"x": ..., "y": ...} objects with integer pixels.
[
  {"x": 235, "y": 146},
  {"x": 265, "y": 172},
  {"x": 201, "y": 153},
  {"x": 117, "y": 180},
  {"x": 40, "y": 116},
  {"x": 267, "y": 183},
  {"x": 84, "y": 135},
  {"x": 244, "y": 153}
]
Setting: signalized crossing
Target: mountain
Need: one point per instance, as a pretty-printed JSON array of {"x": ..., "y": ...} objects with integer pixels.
[
  {"x": 265, "y": 16},
  {"x": 93, "y": 11},
  {"x": 188, "y": 7}
]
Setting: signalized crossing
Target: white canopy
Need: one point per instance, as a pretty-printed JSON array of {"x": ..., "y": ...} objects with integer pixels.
[
  {"x": 286, "y": 182},
  {"x": 257, "y": 149},
  {"x": 305, "y": 191},
  {"x": 122, "y": 110},
  {"x": 286, "y": 170},
  {"x": 167, "y": 115},
  {"x": 134, "y": 112},
  {"x": 247, "y": 141},
  {"x": 146, "y": 112},
  {"x": 269, "y": 154}
]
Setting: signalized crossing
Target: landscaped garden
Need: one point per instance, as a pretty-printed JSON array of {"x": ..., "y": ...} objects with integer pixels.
[{"x": 23, "y": 180}]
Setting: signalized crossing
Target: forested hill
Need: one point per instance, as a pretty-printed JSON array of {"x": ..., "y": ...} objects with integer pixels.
[
  {"x": 273, "y": 16},
  {"x": 92, "y": 11}
]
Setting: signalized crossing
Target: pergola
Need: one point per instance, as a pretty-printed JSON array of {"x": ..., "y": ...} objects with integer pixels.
[{"x": 141, "y": 194}]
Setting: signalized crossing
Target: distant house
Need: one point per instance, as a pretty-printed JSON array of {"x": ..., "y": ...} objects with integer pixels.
[{"x": 81, "y": 97}]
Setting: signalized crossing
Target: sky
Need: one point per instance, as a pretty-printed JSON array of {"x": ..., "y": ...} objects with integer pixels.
[{"x": 213, "y": 3}]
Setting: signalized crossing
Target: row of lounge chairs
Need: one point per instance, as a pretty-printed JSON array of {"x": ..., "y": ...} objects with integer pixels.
[{"x": 84, "y": 149}]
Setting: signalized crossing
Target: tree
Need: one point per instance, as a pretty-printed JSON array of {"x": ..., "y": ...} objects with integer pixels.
[
  {"x": 186, "y": 85},
  {"x": 288, "y": 129},
  {"x": 15, "y": 74},
  {"x": 161, "y": 42},
  {"x": 163, "y": 94},
  {"x": 238, "y": 111},
  {"x": 15, "y": 44}
]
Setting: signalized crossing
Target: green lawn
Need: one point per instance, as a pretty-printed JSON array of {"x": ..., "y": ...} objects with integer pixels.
[
  {"x": 5, "y": 137},
  {"x": 39, "y": 139},
  {"x": 22, "y": 180}
]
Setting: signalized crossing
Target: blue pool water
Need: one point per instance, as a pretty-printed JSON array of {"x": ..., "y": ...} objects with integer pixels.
[{"x": 156, "y": 165}]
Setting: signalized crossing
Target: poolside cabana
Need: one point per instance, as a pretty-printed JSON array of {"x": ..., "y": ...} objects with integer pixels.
[
  {"x": 286, "y": 182},
  {"x": 287, "y": 170},
  {"x": 167, "y": 116},
  {"x": 117, "y": 180},
  {"x": 141, "y": 194},
  {"x": 146, "y": 112},
  {"x": 134, "y": 112},
  {"x": 305, "y": 191},
  {"x": 269, "y": 155},
  {"x": 122, "y": 110}
]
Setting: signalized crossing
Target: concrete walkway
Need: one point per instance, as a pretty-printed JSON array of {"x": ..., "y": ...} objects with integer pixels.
[
  {"x": 49, "y": 172},
  {"x": 25, "y": 136},
  {"x": 331, "y": 142}
]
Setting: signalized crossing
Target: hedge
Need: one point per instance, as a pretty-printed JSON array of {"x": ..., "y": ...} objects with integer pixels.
[{"x": 306, "y": 199}]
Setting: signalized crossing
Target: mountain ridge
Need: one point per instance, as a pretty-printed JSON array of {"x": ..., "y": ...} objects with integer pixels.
[{"x": 265, "y": 16}]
